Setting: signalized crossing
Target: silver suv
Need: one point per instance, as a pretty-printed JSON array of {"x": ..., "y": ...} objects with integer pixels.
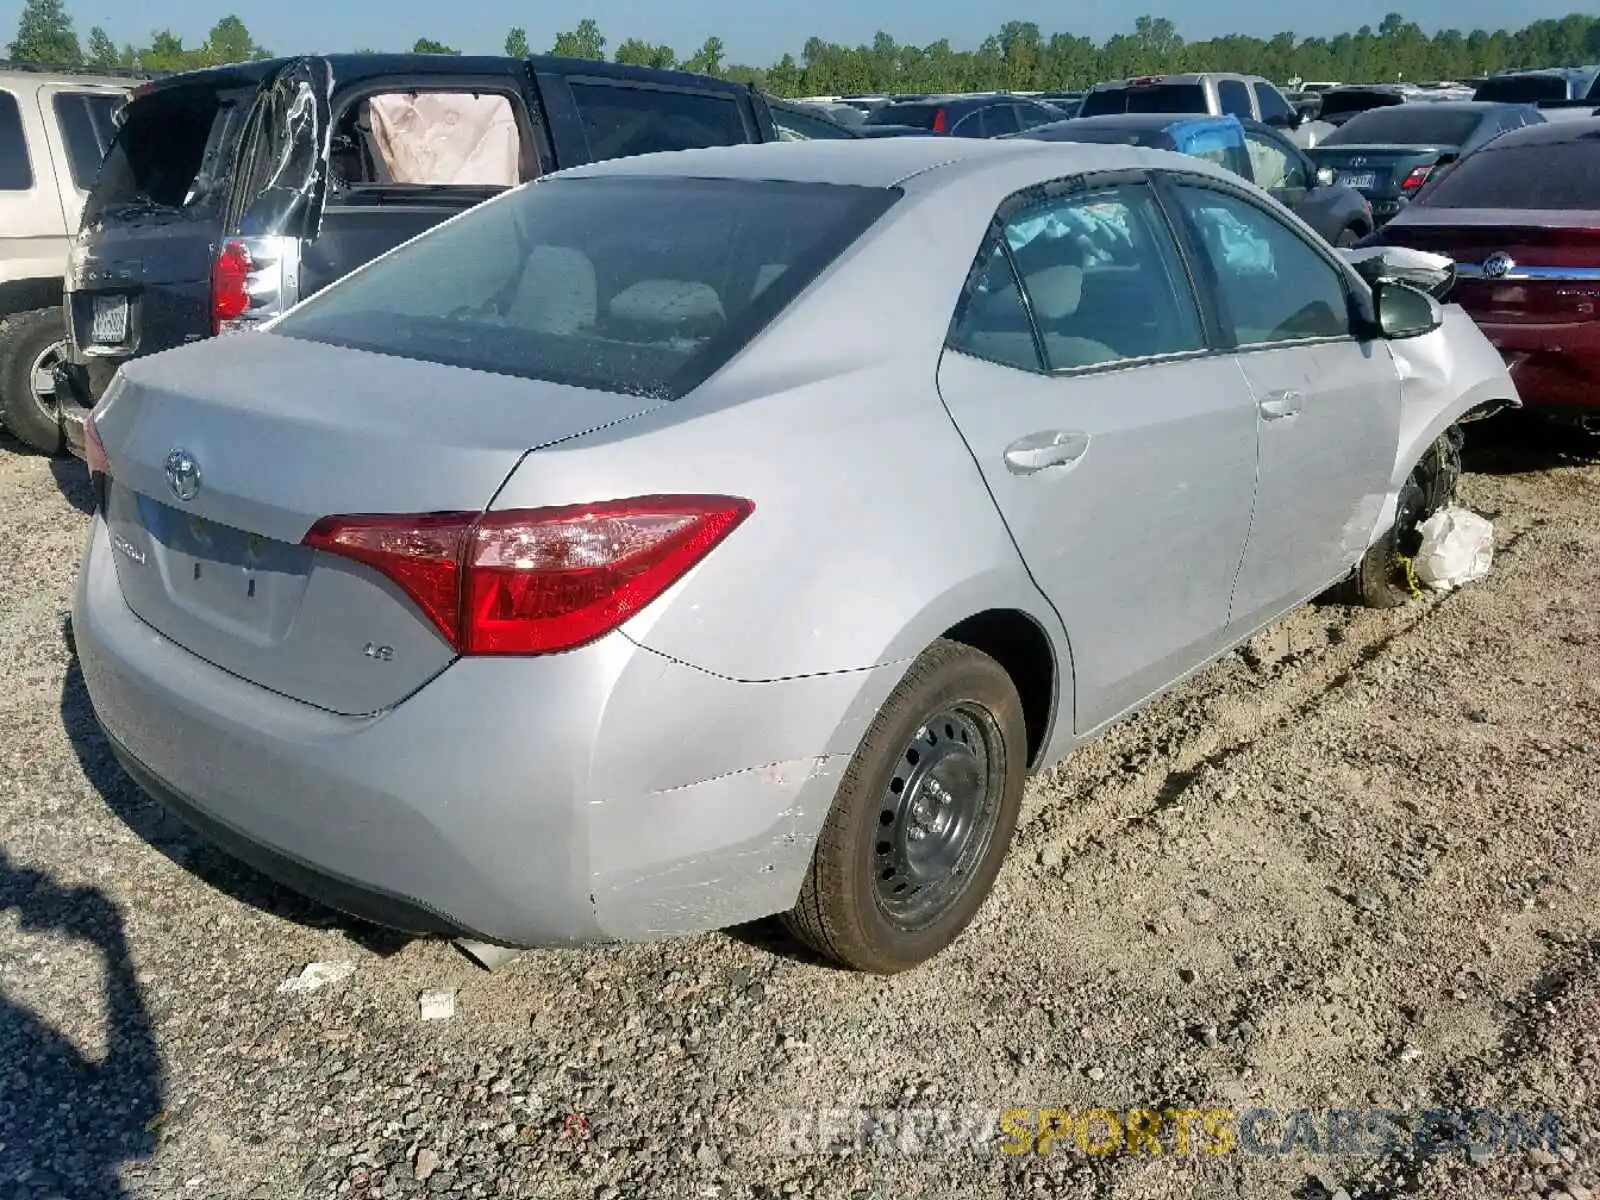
[{"x": 54, "y": 129}]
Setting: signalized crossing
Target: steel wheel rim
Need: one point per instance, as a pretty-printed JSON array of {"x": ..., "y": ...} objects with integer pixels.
[
  {"x": 937, "y": 815},
  {"x": 41, "y": 376}
]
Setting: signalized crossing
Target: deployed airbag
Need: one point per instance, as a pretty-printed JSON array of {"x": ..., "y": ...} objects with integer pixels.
[{"x": 447, "y": 138}]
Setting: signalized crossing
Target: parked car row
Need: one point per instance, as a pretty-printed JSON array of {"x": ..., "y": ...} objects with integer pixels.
[{"x": 421, "y": 588}]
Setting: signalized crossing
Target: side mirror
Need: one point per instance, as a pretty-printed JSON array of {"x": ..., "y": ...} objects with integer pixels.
[
  {"x": 1326, "y": 177},
  {"x": 1404, "y": 311}
]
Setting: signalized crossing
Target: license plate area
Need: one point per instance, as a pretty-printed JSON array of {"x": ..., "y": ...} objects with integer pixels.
[
  {"x": 1360, "y": 180},
  {"x": 108, "y": 324}
]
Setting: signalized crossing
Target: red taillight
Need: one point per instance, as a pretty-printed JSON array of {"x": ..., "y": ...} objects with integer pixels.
[
  {"x": 940, "y": 120},
  {"x": 536, "y": 581},
  {"x": 230, "y": 285},
  {"x": 1418, "y": 176},
  {"x": 94, "y": 450}
]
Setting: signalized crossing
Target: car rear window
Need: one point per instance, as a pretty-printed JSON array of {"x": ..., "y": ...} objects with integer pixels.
[
  {"x": 642, "y": 285},
  {"x": 88, "y": 128},
  {"x": 1563, "y": 175},
  {"x": 171, "y": 154},
  {"x": 917, "y": 116},
  {"x": 1522, "y": 89},
  {"x": 1406, "y": 125},
  {"x": 621, "y": 120},
  {"x": 1146, "y": 98}
]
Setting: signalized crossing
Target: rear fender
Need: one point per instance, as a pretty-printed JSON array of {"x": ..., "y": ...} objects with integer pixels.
[{"x": 1451, "y": 374}]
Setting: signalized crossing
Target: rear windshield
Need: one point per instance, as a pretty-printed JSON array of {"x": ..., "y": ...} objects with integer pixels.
[
  {"x": 918, "y": 116},
  {"x": 1146, "y": 98},
  {"x": 1338, "y": 103},
  {"x": 1522, "y": 89},
  {"x": 1563, "y": 175},
  {"x": 1406, "y": 125},
  {"x": 642, "y": 285},
  {"x": 171, "y": 154},
  {"x": 87, "y": 127}
]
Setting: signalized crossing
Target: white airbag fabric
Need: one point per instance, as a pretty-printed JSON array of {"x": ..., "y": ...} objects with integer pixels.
[{"x": 447, "y": 137}]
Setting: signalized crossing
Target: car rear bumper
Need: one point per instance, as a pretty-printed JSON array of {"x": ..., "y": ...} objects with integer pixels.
[
  {"x": 1556, "y": 367},
  {"x": 608, "y": 793},
  {"x": 78, "y": 390}
]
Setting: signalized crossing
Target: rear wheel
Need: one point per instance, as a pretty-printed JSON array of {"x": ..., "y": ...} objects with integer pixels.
[
  {"x": 1383, "y": 578},
  {"x": 922, "y": 819},
  {"x": 31, "y": 344}
]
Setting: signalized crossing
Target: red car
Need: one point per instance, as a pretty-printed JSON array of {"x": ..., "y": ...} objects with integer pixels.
[{"x": 1521, "y": 218}]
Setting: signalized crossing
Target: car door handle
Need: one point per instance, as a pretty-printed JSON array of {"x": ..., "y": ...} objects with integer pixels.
[
  {"x": 1050, "y": 448},
  {"x": 1275, "y": 406}
]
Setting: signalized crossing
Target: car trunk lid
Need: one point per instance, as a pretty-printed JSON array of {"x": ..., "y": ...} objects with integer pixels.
[
  {"x": 1511, "y": 271},
  {"x": 1380, "y": 172},
  {"x": 224, "y": 455}
]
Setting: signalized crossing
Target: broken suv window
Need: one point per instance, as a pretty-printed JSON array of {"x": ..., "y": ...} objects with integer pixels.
[
  {"x": 427, "y": 139},
  {"x": 171, "y": 154}
]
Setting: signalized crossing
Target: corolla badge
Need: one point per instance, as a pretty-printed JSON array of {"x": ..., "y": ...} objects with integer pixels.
[
  {"x": 1498, "y": 265},
  {"x": 183, "y": 474}
]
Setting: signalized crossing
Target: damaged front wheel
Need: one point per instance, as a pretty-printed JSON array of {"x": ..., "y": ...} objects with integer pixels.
[{"x": 1384, "y": 578}]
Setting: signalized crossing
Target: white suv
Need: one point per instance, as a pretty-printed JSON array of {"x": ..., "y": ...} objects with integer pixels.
[{"x": 55, "y": 127}]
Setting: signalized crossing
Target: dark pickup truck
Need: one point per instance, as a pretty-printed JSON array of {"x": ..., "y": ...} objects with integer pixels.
[{"x": 230, "y": 194}]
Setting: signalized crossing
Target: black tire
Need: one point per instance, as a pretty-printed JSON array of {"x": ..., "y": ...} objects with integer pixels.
[
  {"x": 1380, "y": 579},
  {"x": 25, "y": 340},
  {"x": 843, "y": 911}
]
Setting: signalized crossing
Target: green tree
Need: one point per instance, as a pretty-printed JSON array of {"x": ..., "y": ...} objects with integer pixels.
[
  {"x": 230, "y": 42},
  {"x": 103, "y": 53},
  {"x": 517, "y": 43},
  {"x": 429, "y": 46},
  {"x": 708, "y": 59},
  {"x": 636, "y": 52},
  {"x": 586, "y": 41},
  {"x": 45, "y": 35}
]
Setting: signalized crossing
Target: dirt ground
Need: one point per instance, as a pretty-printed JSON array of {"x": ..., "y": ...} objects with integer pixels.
[{"x": 1353, "y": 866}]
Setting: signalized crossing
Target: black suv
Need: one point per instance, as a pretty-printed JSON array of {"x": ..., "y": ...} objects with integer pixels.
[{"x": 230, "y": 194}]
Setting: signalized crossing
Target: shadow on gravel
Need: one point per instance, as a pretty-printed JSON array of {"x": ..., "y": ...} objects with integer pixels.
[
  {"x": 67, "y": 1122},
  {"x": 1517, "y": 443},
  {"x": 769, "y": 936},
  {"x": 186, "y": 848},
  {"x": 72, "y": 477}
]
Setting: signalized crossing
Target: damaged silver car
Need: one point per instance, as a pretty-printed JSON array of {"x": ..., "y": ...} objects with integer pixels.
[{"x": 689, "y": 538}]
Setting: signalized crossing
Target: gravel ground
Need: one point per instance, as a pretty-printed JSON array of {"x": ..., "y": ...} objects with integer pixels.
[{"x": 1351, "y": 866}]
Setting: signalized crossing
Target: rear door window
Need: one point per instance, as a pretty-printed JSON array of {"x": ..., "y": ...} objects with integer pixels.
[
  {"x": 620, "y": 120},
  {"x": 1273, "y": 165},
  {"x": 999, "y": 120},
  {"x": 427, "y": 139},
  {"x": 88, "y": 129},
  {"x": 1233, "y": 98},
  {"x": 16, "y": 172},
  {"x": 573, "y": 281}
]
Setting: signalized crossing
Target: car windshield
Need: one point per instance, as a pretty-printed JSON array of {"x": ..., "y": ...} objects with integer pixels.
[
  {"x": 1406, "y": 125},
  {"x": 1523, "y": 89},
  {"x": 1565, "y": 175},
  {"x": 916, "y": 116},
  {"x": 1145, "y": 98},
  {"x": 1354, "y": 101},
  {"x": 635, "y": 284}
]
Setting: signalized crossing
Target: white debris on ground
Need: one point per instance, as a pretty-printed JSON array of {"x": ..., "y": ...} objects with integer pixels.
[
  {"x": 1457, "y": 548},
  {"x": 437, "y": 1004},
  {"x": 316, "y": 975}
]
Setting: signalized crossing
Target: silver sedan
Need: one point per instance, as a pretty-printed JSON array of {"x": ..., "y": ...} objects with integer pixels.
[{"x": 695, "y": 537}]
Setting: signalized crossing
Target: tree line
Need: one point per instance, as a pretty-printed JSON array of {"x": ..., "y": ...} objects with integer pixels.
[{"x": 1018, "y": 57}]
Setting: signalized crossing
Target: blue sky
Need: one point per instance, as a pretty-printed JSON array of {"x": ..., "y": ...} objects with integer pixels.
[{"x": 752, "y": 32}]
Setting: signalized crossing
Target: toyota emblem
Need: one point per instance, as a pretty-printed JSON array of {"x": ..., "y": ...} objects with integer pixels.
[
  {"x": 183, "y": 475},
  {"x": 1498, "y": 265}
]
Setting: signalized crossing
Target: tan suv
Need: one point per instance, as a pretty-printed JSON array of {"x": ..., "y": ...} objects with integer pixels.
[{"x": 54, "y": 130}]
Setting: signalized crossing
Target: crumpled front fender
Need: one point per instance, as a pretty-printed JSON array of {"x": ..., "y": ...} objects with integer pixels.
[{"x": 1445, "y": 376}]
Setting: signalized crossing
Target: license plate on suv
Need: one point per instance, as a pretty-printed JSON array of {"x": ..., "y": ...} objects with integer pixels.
[
  {"x": 110, "y": 324},
  {"x": 1357, "y": 179}
]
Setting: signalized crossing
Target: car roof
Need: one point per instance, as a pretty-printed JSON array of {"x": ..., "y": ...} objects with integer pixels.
[
  {"x": 1550, "y": 133},
  {"x": 17, "y": 81},
  {"x": 876, "y": 163}
]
